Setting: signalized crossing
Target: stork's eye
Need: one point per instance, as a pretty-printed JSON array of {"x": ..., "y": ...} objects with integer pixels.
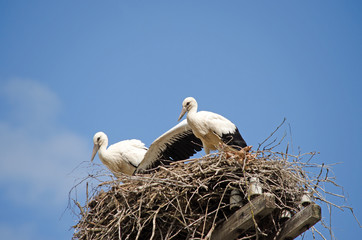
[
  {"x": 99, "y": 138},
  {"x": 188, "y": 103}
]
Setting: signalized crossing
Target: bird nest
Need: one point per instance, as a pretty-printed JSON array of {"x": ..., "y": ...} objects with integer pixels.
[{"x": 187, "y": 199}]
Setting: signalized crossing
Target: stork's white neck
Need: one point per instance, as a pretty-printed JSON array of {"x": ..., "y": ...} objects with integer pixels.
[{"x": 102, "y": 151}]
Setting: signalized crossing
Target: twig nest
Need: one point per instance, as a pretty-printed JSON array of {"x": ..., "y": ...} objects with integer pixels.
[{"x": 187, "y": 199}]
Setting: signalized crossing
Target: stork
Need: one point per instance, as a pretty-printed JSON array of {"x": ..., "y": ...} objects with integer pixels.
[
  {"x": 127, "y": 156},
  {"x": 123, "y": 156},
  {"x": 211, "y": 128}
]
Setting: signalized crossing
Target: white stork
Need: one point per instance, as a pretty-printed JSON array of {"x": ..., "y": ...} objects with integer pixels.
[
  {"x": 211, "y": 128},
  {"x": 123, "y": 156},
  {"x": 129, "y": 155}
]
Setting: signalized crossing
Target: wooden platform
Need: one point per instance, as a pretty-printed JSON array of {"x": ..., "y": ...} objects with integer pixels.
[{"x": 243, "y": 219}]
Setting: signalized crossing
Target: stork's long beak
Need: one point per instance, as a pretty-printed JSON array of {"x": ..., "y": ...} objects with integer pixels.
[
  {"x": 95, "y": 150},
  {"x": 182, "y": 113}
]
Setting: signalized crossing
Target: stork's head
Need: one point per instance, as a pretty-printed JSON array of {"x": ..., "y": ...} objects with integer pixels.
[
  {"x": 187, "y": 105},
  {"x": 99, "y": 139}
]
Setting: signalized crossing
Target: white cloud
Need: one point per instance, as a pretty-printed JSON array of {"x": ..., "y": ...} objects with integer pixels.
[
  {"x": 37, "y": 153},
  {"x": 32, "y": 104}
]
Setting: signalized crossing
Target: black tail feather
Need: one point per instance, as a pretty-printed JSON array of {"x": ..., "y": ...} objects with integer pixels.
[{"x": 234, "y": 139}]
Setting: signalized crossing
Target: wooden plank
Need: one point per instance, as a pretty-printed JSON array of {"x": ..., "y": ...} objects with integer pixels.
[
  {"x": 242, "y": 219},
  {"x": 300, "y": 222}
]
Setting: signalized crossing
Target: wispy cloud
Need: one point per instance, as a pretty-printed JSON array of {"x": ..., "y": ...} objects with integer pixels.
[
  {"x": 38, "y": 153},
  {"x": 32, "y": 105}
]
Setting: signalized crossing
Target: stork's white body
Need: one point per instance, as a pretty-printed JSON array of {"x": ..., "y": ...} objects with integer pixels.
[
  {"x": 123, "y": 156},
  {"x": 211, "y": 128}
]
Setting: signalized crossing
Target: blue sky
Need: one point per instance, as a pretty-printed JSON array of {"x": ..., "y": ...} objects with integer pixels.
[{"x": 71, "y": 68}]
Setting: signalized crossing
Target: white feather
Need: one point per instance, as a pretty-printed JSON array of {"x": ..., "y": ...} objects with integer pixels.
[
  {"x": 208, "y": 121},
  {"x": 132, "y": 151}
]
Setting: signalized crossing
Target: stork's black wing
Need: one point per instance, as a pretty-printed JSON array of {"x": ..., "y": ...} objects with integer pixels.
[{"x": 178, "y": 143}]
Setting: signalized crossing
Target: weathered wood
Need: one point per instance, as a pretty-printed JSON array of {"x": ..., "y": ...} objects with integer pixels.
[
  {"x": 300, "y": 222},
  {"x": 242, "y": 219}
]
